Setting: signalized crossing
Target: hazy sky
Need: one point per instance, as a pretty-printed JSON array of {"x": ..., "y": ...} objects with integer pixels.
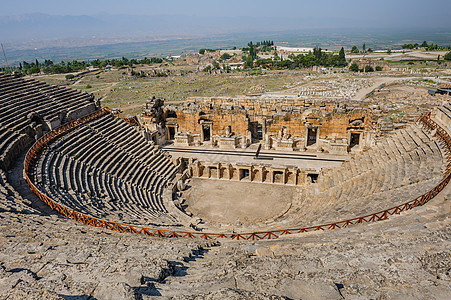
[{"x": 405, "y": 13}]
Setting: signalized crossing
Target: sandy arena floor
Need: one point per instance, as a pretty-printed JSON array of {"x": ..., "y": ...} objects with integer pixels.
[{"x": 227, "y": 202}]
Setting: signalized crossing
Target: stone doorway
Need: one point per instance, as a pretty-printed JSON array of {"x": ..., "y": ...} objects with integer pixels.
[
  {"x": 154, "y": 138},
  {"x": 260, "y": 132},
  {"x": 354, "y": 139},
  {"x": 171, "y": 132},
  {"x": 206, "y": 132},
  {"x": 312, "y": 178},
  {"x": 244, "y": 174},
  {"x": 278, "y": 177},
  {"x": 213, "y": 172},
  {"x": 311, "y": 136}
]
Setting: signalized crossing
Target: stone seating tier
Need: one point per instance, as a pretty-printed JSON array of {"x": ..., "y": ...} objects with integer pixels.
[
  {"x": 96, "y": 170},
  {"x": 21, "y": 96},
  {"x": 401, "y": 166}
]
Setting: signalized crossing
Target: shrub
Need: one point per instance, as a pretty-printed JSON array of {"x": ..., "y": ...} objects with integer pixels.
[
  {"x": 225, "y": 56},
  {"x": 88, "y": 86},
  {"x": 378, "y": 68},
  {"x": 70, "y": 76},
  {"x": 354, "y": 67}
]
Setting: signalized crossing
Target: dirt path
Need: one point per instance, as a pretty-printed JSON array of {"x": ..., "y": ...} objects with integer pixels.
[{"x": 360, "y": 95}]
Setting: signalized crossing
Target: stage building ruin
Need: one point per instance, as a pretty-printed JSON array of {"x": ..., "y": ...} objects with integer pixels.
[{"x": 286, "y": 123}]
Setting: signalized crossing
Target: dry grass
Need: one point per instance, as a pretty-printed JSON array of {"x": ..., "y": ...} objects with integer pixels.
[
  {"x": 117, "y": 90},
  {"x": 128, "y": 93}
]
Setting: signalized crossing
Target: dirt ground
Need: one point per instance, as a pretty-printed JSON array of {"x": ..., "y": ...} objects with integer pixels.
[{"x": 230, "y": 203}]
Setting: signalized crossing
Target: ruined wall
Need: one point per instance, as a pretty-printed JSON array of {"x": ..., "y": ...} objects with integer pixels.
[
  {"x": 287, "y": 123},
  {"x": 191, "y": 121},
  {"x": 253, "y": 173},
  {"x": 240, "y": 113},
  {"x": 337, "y": 125},
  {"x": 333, "y": 125}
]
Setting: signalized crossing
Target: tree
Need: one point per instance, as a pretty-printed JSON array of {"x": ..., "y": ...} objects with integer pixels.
[
  {"x": 408, "y": 46},
  {"x": 369, "y": 69},
  {"x": 317, "y": 52},
  {"x": 201, "y": 51},
  {"x": 363, "y": 47},
  {"x": 389, "y": 51},
  {"x": 354, "y": 67},
  {"x": 355, "y": 49},
  {"x": 216, "y": 65},
  {"x": 252, "y": 50},
  {"x": 424, "y": 45},
  {"x": 432, "y": 47},
  {"x": 249, "y": 61},
  {"x": 378, "y": 68},
  {"x": 447, "y": 56},
  {"x": 341, "y": 58},
  {"x": 225, "y": 56}
]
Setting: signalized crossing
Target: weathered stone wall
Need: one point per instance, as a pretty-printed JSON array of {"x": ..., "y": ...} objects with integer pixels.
[
  {"x": 191, "y": 122},
  {"x": 273, "y": 114},
  {"x": 282, "y": 123},
  {"x": 254, "y": 173}
]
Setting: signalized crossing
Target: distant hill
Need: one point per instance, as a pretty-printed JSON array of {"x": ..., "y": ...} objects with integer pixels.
[
  {"x": 43, "y": 36},
  {"x": 32, "y": 27},
  {"x": 42, "y": 26}
]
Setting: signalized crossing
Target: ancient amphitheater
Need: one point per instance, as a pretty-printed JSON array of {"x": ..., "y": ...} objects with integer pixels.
[{"x": 244, "y": 203}]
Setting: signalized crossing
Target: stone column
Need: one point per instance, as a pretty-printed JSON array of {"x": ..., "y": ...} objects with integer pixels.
[
  {"x": 201, "y": 133},
  {"x": 211, "y": 132},
  {"x": 196, "y": 169},
  {"x": 361, "y": 141},
  {"x": 317, "y": 138},
  {"x": 349, "y": 140}
]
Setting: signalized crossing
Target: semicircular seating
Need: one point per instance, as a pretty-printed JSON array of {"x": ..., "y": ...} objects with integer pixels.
[
  {"x": 400, "y": 167},
  {"x": 28, "y": 107},
  {"x": 106, "y": 169}
]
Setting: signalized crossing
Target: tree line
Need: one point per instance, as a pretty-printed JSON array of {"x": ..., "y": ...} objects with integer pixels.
[
  {"x": 424, "y": 45},
  {"x": 316, "y": 58},
  {"x": 49, "y": 67}
]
